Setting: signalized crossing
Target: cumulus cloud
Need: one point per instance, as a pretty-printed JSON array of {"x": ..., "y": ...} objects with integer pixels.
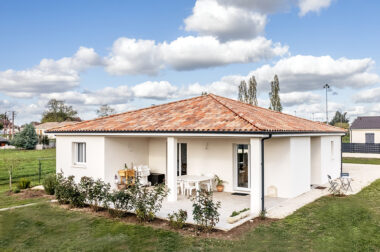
[
  {"x": 187, "y": 53},
  {"x": 307, "y": 6},
  {"x": 155, "y": 90},
  {"x": 302, "y": 73},
  {"x": 368, "y": 96},
  {"x": 50, "y": 75},
  {"x": 225, "y": 22},
  {"x": 296, "y": 98},
  {"x": 262, "y": 6}
]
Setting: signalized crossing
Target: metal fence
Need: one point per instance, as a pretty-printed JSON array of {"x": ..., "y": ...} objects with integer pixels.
[
  {"x": 360, "y": 148},
  {"x": 34, "y": 169}
]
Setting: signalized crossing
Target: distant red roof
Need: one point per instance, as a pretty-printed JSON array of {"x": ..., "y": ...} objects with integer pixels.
[{"x": 206, "y": 113}]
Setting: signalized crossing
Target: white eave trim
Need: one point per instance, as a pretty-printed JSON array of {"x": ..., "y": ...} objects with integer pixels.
[{"x": 221, "y": 135}]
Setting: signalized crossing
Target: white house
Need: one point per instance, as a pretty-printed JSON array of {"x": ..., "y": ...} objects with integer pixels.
[
  {"x": 255, "y": 150},
  {"x": 365, "y": 129}
]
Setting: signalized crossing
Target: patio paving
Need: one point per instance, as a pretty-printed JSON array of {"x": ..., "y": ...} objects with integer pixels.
[{"x": 362, "y": 176}]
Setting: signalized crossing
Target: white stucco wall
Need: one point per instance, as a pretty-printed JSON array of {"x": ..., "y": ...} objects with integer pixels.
[
  {"x": 157, "y": 155},
  {"x": 94, "y": 166},
  {"x": 124, "y": 150},
  {"x": 358, "y": 135},
  {"x": 325, "y": 160}
]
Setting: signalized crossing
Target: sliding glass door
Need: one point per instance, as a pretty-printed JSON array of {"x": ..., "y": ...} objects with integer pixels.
[{"x": 242, "y": 168}]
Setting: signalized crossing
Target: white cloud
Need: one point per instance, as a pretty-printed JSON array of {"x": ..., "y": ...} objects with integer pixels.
[
  {"x": 155, "y": 90},
  {"x": 50, "y": 75},
  {"x": 368, "y": 96},
  {"x": 296, "y": 98},
  {"x": 226, "y": 22},
  {"x": 262, "y": 6},
  {"x": 312, "y": 6},
  {"x": 187, "y": 53},
  {"x": 302, "y": 73}
]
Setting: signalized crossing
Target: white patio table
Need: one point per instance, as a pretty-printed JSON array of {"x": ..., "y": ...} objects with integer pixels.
[{"x": 194, "y": 179}]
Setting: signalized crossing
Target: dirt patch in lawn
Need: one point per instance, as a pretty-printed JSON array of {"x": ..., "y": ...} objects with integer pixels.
[
  {"x": 30, "y": 194},
  {"x": 187, "y": 230}
]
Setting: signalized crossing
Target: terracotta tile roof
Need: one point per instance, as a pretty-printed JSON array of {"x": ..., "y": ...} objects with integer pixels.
[
  {"x": 206, "y": 113},
  {"x": 52, "y": 125}
]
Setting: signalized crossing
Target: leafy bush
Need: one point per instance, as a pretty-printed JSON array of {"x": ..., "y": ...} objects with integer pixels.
[
  {"x": 147, "y": 201},
  {"x": 177, "y": 220},
  {"x": 24, "y": 183},
  {"x": 121, "y": 200},
  {"x": 205, "y": 210},
  {"x": 236, "y": 213},
  {"x": 96, "y": 192},
  {"x": 26, "y": 139},
  {"x": 67, "y": 191},
  {"x": 16, "y": 190},
  {"x": 49, "y": 183}
]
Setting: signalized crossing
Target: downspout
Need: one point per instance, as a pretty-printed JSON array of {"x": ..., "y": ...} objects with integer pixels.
[{"x": 262, "y": 171}]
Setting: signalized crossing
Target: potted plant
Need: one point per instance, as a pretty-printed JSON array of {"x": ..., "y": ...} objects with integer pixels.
[{"x": 219, "y": 184}]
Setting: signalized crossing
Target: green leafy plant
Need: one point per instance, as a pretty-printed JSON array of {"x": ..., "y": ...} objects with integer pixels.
[
  {"x": 96, "y": 192},
  {"x": 24, "y": 183},
  {"x": 16, "y": 190},
  {"x": 263, "y": 214},
  {"x": 205, "y": 210},
  {"x": 121, "y": 201},
  {"x": 147, "y": 201},
  {"x": 218, "y": 181},
  {"x": 236, "y": 213},
  {"x": 26, "y": 139},
  {"x": 49, "y": 183},
  {"x": 68, "y": 192},
  {"x": 177, "y": 219}
]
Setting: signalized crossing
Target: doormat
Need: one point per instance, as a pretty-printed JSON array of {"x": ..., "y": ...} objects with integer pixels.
[
  {"x": 320, "y": 187},
  {"x": 239, "y": 194}
]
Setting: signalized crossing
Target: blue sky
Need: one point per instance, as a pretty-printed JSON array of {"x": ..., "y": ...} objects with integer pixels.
[{"x": 132, "y": 54}]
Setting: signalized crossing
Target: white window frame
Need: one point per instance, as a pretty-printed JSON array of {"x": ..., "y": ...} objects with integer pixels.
[
  {"x": 235, "y": 173},
  {"x": 75, "y": 154}
]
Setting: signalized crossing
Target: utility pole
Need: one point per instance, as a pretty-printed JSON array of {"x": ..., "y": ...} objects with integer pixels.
[{"x": 326, "y": 86}]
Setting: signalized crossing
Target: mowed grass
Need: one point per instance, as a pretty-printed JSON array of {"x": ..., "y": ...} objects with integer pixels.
[
  {"x": 13, "y": 200},
  {"x": 329, "y": 224},
  {"x": 26, "y": 164},
  {"x": 375, "y": 161}
]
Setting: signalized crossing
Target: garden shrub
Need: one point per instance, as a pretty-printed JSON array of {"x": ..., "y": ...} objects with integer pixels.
[
  {"x": 67, "y": 191},
  {"x": 121, "y": 201},
  {"x": 147, "y": 201},
  {"x": 205, "y": 210},
  {"x": 49, "y": 183},
  {"x": 177, "y": 219},
  {"x": 16, "y": 190},
  {"x": 96, "y": 192},
  {"x": 24, "y": 183}
]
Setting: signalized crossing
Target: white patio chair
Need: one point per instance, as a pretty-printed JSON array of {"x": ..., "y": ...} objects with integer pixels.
[
  {"x": 189, "y": 187},
  {"x": 207, "y": 184},
  {"x": 180, "y": 187}
]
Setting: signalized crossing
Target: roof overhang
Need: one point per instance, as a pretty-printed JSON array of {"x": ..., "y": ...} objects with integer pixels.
[{"x": 257, "y": 134}]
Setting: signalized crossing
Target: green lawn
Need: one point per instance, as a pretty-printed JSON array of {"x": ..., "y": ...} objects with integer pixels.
[
  {"x": 9, "y": 201},
  {"x": 361, "y": 160},
  {"x": 26, "y": 163},
  {"x": 329, "y": 224}
]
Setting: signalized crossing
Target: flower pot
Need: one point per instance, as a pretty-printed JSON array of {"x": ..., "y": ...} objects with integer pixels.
[{"x": 220, "y": 188}]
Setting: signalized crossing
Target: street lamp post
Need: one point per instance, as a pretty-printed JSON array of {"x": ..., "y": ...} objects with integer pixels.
[{"x": 326, "y": 86}]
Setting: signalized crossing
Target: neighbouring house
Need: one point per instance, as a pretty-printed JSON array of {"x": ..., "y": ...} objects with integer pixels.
[
  {"x": 3, "y": 142},
  {"x": 365, "y": 129},
  {"x": 254, "y": 150},
  {"x": 43, "y": 127}
]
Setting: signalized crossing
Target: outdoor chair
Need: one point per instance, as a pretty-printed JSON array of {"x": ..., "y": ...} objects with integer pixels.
[
  {"x": 345, "y": 181},
  {"x": 189, "y": 187},
  {"x": 334, "y": 186}
]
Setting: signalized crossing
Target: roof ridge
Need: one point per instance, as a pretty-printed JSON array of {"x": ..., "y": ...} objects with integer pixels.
[
  {"x": 140, "y": 109},
  {"x": 301, "y": 118},
  {"x": 233, "y": 111}
]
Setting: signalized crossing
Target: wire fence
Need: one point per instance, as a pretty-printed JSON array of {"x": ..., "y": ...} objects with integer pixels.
[
  {"x": 360, "y": 148},
  {"x": 34, "y": 169}
]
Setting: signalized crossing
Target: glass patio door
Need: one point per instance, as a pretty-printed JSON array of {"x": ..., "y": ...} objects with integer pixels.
[
  {"x": 242, "y": 168},
  {"x": 181, "y": 159}
]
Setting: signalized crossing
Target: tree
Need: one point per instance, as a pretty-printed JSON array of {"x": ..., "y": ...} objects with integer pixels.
[
  {"x": 339, "y": 118},
  {"x": 26, "y": 139},
  {"x": 275, "y": 103},
  {"x": 105, "y": 110},
  {"x": 57, "y": 111},
  {"x": 252, "y": 89},
  {"x": 247, "y": 93}
]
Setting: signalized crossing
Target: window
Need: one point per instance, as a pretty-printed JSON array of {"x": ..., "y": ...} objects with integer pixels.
[
  {"x": 369, "y": 138},
  {"x": 79, "y": 153},
  {"x": 332, "y": 149}
]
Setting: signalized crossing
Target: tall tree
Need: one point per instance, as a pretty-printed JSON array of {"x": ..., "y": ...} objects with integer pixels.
[
  {"x": 26, "y": 139},
  {"x": 105, "y": 110},
  {"x": 274, "y": 95},
  {"x": 58, "y": 111},
  {"x": 247, "y": 93},
  {"x": 252, "y": 89},
  {"x": 339, "y": 118}
]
